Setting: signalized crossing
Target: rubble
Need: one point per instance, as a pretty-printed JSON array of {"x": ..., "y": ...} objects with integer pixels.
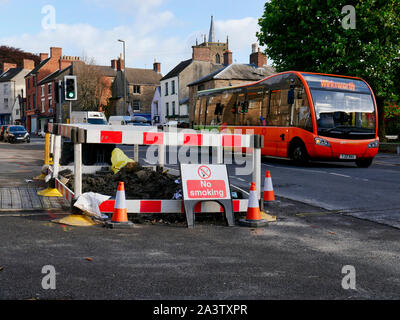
[{"x": 140, "y": 183}]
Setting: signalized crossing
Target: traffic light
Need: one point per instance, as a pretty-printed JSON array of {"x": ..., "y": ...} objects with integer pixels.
[{"x": 70, "y": 88}]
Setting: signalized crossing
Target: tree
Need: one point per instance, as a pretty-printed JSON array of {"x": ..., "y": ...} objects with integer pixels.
[
  {"x": 93, "y": 86},
  {"x": 14, "y": 55},
  {"x": 308, "y": 35}
]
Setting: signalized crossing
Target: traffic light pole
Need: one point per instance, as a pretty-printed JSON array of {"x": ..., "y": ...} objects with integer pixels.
[
  {"x": 60, "y": 101},
  {"x": 70, "y": 111}
]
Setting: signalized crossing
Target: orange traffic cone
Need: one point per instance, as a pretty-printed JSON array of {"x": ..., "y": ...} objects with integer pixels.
[
  {"x": 268, "y": 194},
  {"x": 120, "y": 216},
  {"x": 253, "y": 218}
]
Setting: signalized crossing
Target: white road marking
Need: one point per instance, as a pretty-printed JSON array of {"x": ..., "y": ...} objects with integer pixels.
[
  {"x": 240, "y": 189},
  {"x": 340, "y": 175}
]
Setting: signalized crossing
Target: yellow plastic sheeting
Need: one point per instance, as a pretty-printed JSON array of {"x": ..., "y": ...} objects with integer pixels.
[
  {"x": 76, "y": 220},
  {"x": 50, "y": 193},
  {"x": 268, "y": 217},
  {"x": 119, "y": 160}
]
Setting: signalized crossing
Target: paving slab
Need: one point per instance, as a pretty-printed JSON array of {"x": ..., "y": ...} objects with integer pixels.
[{"x": 26, "y": 198}]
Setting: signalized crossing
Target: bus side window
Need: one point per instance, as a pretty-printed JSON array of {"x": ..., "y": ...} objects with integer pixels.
[
  {"x": 228, "y": 114},
  {"x": 284, "y": 109},
  {"x": 302, "y": 115},
  {"x": 273, "y": 119}
]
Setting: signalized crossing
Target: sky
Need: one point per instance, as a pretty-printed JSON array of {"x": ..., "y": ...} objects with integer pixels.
[{"x": 164, "y": 30}]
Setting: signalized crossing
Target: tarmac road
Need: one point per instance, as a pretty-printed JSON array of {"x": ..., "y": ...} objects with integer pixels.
[
  {"x": 368, "y": 193},
  {"x": 301, "y": 256}
]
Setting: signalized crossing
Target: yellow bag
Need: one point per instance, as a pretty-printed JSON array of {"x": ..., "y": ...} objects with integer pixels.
[{"x": 119, "y": 160}]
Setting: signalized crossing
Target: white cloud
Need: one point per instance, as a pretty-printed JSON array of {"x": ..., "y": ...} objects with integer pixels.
[
  {"x": 84, "y": 39},
  {"x": 129, "y": 6},
  {"x": 242, "y": 34}
]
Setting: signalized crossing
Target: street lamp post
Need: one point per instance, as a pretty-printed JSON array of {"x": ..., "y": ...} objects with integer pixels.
[{"x": 123, "y": 42}]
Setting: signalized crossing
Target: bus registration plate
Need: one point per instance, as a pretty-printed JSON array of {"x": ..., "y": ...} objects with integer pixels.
[{"x": 348, "y": 157}]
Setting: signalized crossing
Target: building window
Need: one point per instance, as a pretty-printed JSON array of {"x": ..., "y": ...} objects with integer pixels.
[
  {"x": 166, "y": 88},
  {"x": 5, "y": 102},
  {"x": 218, "y": 58},
  {"x": 16, "y": 112},
  {"x": 201, "y": 87},
  {"x": 167, "y": 108},
  {"x": 50, "y": 104},
  {"x": 42, "y": 91},
  {"x": 50, "y": 88},
  {"x": 173, "y": 108},
  {"x": 43, "y": 104},
  {"x": 136, "y": 89},
  {"x": 136, "y": 105},
  {"x": 5, "y": 88},
  {"x": 173, "y": 87}
]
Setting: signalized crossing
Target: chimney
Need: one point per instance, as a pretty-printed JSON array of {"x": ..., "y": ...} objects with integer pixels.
[
  {"x": 43, "y": 56},
  {"x": 201, "y": 53},
  {"x": 114, "y": 64},
  {"x": 8, "y": 66},
  {"x": 66, "y": 61},
  {"x": 157, "y": 67},
  {"x": 28, "y": 64},
  {"x": 120, "y": 64},
  {"x": 227, "y": 57},
  {"x": 257, "y": 57},
  {"x": 55, "y": 52}
]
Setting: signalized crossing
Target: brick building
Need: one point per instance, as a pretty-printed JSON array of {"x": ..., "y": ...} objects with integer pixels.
[
  {"x": 40, "y": 93},
  {"x": 231, "y": 75},
  {"x": 207, "y": 57},
  {"x": 141, "y": 85}
]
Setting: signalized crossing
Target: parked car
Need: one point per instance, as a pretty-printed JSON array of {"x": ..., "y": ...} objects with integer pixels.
[
  {"x": 3, "y": 129},
  {"x": 16, "y": 134}
]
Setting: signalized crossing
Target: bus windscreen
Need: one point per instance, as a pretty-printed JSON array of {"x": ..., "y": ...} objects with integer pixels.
[{"x": 344, "y": 108}]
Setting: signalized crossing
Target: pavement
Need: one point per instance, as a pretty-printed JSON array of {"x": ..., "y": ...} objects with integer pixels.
[{"x": 301, "y": 256}]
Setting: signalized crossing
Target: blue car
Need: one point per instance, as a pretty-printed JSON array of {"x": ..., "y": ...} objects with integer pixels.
[{"x": 15, "y": 134}]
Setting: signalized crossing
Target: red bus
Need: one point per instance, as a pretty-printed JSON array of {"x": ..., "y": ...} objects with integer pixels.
[{"x": 303, "y": 116}]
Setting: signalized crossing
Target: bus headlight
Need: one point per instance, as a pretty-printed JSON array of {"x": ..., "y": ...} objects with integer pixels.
[
  {"x": 374, "y": 144},
  {"x": 322, "y": 142}
]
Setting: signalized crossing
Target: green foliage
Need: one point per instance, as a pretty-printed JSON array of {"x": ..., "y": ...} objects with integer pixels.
[
  {"x": 307, "y": 35},
  {"x": 392, "y": 111}
]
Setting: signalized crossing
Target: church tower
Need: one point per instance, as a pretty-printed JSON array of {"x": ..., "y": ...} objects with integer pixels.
[{"x": 211, "y": 50}]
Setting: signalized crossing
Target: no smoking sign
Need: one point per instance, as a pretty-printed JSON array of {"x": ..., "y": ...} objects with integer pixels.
[{"x": 201, "y": 182}]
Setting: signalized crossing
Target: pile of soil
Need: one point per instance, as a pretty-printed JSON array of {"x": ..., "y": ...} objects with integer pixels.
[{"x": 140, "y": 183}]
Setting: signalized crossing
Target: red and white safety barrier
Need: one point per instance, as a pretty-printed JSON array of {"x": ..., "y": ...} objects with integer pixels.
[
  {"x": 171, "y": 206},
  {"x": 156, "y": 206},
  {"x": 67, "y": 193},
  {"x": 132, "y": 136}
]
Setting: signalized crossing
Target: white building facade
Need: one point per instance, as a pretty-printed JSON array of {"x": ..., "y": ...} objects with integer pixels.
[
  {"x": 12, "y": 85},
  {"x": 170, "y": 99}
]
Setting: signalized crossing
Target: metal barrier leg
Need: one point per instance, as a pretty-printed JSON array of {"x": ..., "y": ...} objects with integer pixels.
[
  {"x": 161, "y": 156},
  {"x": 257, "y": 170},
  {"x": 51, "y": 190},
  {"x": 78, "y": 169},
  {"x": 136, "y": 153}
]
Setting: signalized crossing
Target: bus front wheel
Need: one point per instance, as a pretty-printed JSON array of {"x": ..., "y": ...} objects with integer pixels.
[
  {"x": 299, "y": 153},
  {"x": 364, "y": 163}
]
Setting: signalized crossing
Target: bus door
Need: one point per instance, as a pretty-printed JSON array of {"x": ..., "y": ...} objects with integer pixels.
[{"x": 279, "y": 116}]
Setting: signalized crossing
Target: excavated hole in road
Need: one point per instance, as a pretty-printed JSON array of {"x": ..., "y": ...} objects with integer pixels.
[{"x": 141, "y": 184}]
